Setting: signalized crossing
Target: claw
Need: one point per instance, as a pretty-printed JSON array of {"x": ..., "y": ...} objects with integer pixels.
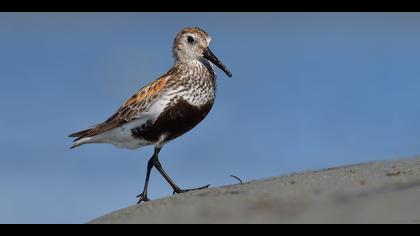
[{"x": 142, "y": 198}]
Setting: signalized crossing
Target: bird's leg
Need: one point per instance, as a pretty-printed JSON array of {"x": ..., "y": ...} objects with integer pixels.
[
  {"x": 143, "y": 196},
  {"x": 175, "y": 187}
]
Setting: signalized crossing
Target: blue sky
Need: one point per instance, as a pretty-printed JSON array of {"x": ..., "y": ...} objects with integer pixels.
[{"x": 309, "y": 91}]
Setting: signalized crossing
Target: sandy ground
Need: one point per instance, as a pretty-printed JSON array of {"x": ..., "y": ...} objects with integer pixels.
[{"x": 382, "y": 192}]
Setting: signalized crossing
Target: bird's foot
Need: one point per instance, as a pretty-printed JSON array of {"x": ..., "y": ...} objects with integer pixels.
[
  {"x": 178, "y": 191},
  {"x": 142, "y": 198}
]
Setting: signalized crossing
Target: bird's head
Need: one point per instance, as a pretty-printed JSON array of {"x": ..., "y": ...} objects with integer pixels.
[{"x": 192, "y": 43}]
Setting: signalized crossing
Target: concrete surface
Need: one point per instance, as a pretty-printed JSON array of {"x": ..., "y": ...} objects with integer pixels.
[{"x": 382, "y": 192}]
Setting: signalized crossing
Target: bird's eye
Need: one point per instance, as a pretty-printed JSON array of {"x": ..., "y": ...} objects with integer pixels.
[{"x": 190, "y": 39}]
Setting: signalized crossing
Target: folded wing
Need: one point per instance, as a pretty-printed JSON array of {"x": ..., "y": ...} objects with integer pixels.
[{"x": 132, "y": 109}]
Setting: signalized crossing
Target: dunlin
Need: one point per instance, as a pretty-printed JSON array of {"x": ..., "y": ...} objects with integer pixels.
[{"x": 166, "y": 108}]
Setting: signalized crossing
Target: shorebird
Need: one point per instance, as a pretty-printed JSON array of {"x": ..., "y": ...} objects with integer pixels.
[{"x": 166, "y": 108}]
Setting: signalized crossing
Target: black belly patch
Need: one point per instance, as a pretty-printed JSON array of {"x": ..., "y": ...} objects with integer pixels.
[{"x": 174, "y": 121}]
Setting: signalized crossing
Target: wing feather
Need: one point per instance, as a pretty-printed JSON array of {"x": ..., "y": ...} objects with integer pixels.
[{"x": 132, "y": 109}]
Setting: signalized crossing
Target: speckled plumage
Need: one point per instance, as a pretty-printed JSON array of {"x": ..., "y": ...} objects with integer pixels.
[{"x": 191, "y": 82}]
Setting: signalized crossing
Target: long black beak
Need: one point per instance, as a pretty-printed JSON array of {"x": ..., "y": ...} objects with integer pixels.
[{"x": 208, "y": 54}]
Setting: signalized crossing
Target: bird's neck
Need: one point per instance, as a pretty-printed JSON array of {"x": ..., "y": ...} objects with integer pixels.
[
  {"x": 199, "y": 78},
  {"x": 202, "y": 66}
]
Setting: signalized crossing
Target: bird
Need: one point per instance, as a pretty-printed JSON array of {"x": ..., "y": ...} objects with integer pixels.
[{"x": 166, "y": 108}]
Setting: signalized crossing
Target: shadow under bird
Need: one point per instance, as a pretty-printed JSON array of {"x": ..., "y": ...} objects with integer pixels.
[{"x": 166, "y": 108}]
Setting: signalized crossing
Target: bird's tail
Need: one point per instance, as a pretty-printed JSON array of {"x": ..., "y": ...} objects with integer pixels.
[
  {"x": 77, "y": 143},
  {"x": 81, "y": 138},
  {"x": 80, "y": 134}
]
